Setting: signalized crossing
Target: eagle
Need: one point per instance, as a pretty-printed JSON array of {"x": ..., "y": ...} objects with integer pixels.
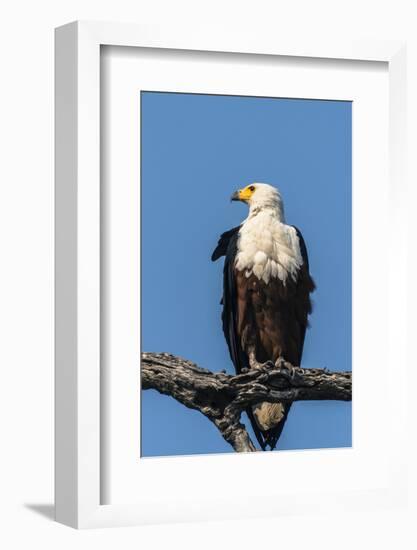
[{"x": 266, "y": 296}]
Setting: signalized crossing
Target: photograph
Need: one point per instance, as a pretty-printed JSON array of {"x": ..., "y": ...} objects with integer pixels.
[
  {"x": 209, "y": 265},
  {"x": 246, "y": 273}
]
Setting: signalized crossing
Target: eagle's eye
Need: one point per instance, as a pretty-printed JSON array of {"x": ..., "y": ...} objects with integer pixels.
[{"x": 252, "y": 188}]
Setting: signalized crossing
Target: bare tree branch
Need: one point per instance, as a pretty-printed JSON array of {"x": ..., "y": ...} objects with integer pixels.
[{"x": 222, "y": 397}]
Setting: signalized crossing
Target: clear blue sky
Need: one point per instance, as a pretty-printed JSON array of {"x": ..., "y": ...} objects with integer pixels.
[{"x": 196, "y": 150}]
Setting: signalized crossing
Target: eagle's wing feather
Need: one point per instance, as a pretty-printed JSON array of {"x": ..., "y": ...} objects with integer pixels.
[
  {"x": 227, "y": 246},
  {"x": 305, "y": 286},
  {"x": 223, "y": 243}
]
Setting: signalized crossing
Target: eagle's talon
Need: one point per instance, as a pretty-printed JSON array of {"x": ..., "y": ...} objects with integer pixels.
[
  {"x": 254, "y": 364},
  {"x": 288, "y": 371},
  {"x": 280, "y": 363}
]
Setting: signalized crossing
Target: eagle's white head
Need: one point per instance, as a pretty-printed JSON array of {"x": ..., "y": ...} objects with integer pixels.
[{"x": 260, "y": 197}]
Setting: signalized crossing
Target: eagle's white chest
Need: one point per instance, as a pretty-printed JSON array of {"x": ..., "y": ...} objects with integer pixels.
[{"x": 268, "y": 248}]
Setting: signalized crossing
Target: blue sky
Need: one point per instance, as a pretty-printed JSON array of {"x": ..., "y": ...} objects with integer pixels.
[{"x": 196, "y": 150}]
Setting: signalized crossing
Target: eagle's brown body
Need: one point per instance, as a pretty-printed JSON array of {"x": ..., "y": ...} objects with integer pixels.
[
  {"x": 264, "y": 320},
  {"x": 272, "y": 317}
]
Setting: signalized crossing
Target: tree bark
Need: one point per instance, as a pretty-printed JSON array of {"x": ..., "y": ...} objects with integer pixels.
[{"x": 222, "y": 397}]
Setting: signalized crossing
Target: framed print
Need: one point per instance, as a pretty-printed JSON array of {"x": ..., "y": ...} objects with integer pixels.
[{"x": 195, "y": 334}]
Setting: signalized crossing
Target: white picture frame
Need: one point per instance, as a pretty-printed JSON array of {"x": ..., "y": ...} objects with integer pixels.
[{"x": 78, "y": 265}]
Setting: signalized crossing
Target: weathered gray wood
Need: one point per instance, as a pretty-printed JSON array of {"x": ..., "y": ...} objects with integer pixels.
[{"x": 222, "y": 397}]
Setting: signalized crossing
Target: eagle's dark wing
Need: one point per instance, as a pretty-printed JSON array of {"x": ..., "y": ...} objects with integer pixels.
[
  {"x": 223, "y": 243},
  {"x": 305, "y": 286},
  {"x": 227, "y": 246}
]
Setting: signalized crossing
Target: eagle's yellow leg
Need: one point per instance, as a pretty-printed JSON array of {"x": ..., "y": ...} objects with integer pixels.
[{"x": 254, "y": 363}]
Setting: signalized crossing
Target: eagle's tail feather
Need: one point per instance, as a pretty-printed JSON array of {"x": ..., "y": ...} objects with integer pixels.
[
  {"x": 265, "y": 414},
  {"x": 272, "y": 435}
]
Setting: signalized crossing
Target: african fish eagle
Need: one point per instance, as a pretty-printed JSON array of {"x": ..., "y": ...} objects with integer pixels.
[{"x": 266, "y": 296}]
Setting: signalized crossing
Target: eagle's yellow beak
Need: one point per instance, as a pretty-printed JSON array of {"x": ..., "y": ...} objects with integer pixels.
[{"x": 243, "y": 194}]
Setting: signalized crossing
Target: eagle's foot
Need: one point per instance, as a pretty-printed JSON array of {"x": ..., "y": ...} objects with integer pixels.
[
  {"x": 262, "y": 366},
  {"x": 287, "y": 370}
]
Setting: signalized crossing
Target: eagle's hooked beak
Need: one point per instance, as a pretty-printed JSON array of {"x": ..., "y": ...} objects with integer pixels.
[
  {"x": 235, "y": 196},
  {"x": 242, "y": 195}
]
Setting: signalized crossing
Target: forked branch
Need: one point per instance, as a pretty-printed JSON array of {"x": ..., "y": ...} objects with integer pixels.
[{"x": 222, "y": 397}]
